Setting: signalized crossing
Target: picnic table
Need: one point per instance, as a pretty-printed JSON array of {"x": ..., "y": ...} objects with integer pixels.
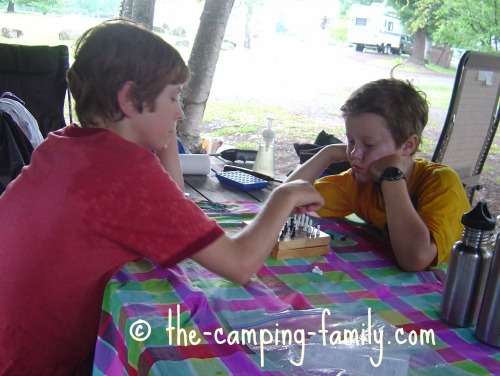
[{"x": 351, "y": 310}]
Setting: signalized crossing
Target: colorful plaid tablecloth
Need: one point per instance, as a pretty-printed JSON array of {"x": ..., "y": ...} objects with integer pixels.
[{"x": 297, "y": 316}]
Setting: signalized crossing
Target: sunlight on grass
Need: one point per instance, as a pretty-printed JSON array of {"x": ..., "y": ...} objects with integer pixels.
[
  {"x": 245, "y": 118},
  {"x": 495, "y": 148},
  {"x": 436, "y": 68},
  {"x": 437, "y": 95},
  {"x": 238, "y": 112},
  {"x": 246, "y": 145}
]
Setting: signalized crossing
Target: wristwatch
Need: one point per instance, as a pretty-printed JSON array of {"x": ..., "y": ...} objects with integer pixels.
[{"x": 391, "y": 174}]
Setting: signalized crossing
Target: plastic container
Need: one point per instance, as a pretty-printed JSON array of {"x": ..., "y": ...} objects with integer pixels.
[{"x": 241, "y": 180}]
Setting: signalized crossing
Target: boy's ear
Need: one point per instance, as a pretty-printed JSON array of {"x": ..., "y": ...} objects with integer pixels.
[
  {"x": 410, "y": 145},
  {"x": 126, "y": 100}
]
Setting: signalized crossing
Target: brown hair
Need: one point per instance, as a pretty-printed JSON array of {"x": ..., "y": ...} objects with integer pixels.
[
  {"x": 109, "y": 55},
  {"x": 402, "y": 105}
]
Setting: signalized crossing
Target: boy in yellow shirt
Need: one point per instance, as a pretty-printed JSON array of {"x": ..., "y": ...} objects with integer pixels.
[{"x": 417, "y": 203}]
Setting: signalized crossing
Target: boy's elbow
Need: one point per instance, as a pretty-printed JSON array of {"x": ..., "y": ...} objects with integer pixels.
[
  {"x": 413, "y": 257},
  {"x": 416, "y": 264},
  {"x": 241, "y": 278},
  {"x": 412, "y": 267}
]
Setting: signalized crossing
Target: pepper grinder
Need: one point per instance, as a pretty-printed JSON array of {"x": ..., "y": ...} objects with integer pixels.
[
  {"x": 488, "y": 322},
  {"x": 470, "y": 260}
]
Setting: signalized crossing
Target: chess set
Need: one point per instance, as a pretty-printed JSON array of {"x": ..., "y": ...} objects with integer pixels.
[{"x": 298, "y": 238}]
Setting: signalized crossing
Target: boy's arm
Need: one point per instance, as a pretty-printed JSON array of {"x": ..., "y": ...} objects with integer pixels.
[
  {"x": 310, "y": 170},
  {"x": 411, "y": 240},
  {"x": 169, "y": 158},
  {"x": 239, "y": 257}
]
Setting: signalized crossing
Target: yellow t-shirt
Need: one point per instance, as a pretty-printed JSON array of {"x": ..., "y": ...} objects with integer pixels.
[{"x": 435, "y": 190}]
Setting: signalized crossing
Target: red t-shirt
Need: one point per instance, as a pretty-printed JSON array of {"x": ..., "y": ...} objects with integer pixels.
[{"x": 88, "y": 203}]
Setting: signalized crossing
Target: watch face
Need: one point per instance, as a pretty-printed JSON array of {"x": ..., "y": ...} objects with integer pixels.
[{"x": 392, "y": 174}]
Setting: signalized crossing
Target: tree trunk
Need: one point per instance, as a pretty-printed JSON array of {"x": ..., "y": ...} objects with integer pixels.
[
  {"x": 417, "y": 55},
  {"x": 143, "y": 12},
  {"x": 428, "y": 49},
  {"x": 126, "y": 9},
  {"x": 10, "y": 7},
  {"x": 202, "y": 62},
  {"x": 248, "y": 28}
]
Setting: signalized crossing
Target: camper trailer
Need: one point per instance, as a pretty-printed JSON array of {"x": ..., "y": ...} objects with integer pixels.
[{"x": 375, "y": 26}]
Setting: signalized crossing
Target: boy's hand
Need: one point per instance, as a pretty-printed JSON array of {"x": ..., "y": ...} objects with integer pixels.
[{"x": 303, "y": 195}]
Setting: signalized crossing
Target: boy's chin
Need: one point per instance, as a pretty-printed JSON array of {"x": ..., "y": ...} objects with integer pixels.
[{"x": 360, "y": 178}]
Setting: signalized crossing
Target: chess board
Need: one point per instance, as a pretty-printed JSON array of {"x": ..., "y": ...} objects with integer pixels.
[{"x": 301, "y": 245}]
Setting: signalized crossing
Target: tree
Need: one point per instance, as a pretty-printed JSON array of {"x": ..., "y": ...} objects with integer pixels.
[
  {"x": 139, "y": 11},
  {"x": 202, "y": 62},
  {"x": 250, "y": 6},
  {"x": 470, "y": 24},
  {"x": 421, "y": 16},
  {"x": 126, "y": 9},
  {"x": 346, "y": 4},
  {"x": 41, "y": 5}
]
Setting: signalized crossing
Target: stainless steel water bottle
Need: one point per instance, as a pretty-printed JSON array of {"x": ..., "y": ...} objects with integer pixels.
[
  {"x": 468, "y": 268},
  {"x": 488, "y": 322}
]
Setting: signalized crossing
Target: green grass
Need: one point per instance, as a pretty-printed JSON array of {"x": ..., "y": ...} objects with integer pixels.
[
  {"x": 437, "y": 95},
  {"x": 241, "y": 117},
  {"x": 495, "y": 148},
  {"x": 436, "y": 68}
]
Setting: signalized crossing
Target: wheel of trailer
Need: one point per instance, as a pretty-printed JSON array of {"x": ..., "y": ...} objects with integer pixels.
[
  {"x": 360, "y": 47},
  {"x": 380, "y": 49},
  {"x": 396, "y": 51}
]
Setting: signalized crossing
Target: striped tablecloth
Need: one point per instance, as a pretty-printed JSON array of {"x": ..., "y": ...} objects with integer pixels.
[{"x": 356, "y": 311}]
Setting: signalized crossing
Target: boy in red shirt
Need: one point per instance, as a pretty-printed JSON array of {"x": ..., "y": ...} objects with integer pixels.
[{"x": 95, "y": 197}]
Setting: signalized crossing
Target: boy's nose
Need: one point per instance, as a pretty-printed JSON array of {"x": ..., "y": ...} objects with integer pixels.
[{"x": 356, "y": 153}]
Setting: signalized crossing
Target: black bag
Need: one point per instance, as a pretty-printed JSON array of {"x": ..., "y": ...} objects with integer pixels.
[{"x": 306, "y": 151}]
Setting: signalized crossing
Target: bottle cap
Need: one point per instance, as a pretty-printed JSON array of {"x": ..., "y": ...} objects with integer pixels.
[{"x": 479, "y": 218}]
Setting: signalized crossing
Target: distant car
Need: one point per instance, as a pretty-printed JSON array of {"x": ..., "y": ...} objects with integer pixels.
[{"x": 406, "y": 45}]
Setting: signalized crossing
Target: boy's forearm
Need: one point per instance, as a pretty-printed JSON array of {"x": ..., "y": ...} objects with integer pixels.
[
  {"x": 410, "y": 238},
  {"x": 169, "y": 158},
  {"x": 239, "y": 257},
  {"x": 262, "y": 233},
  {"x": 310, "y": 170}
]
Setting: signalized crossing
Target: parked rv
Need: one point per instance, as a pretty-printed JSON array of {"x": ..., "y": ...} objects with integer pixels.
[{"x": 377, "y": 26}]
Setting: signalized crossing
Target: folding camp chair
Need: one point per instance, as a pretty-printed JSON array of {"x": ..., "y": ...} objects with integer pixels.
[
  {"x": 37, "y": 75},
  {"x": 472, "y": 118}
]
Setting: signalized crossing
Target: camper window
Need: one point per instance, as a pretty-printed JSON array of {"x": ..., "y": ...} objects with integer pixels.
[{"x": 360, "y": 21}]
